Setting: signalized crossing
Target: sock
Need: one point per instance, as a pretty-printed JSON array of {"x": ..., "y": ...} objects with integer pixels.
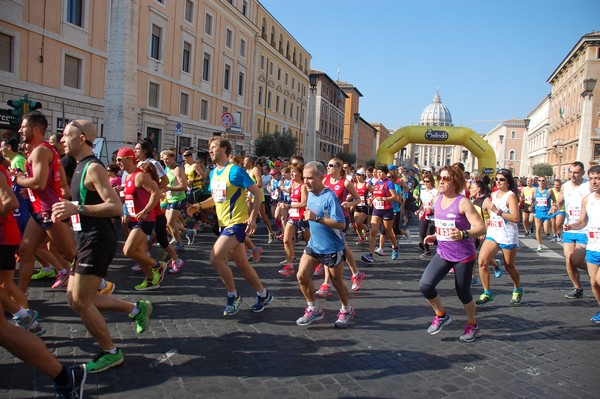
[
  {"x": 21, "y": 313},
  {"x": 135, "y": 311},
  {"x": 63, "y": 271},
  {"x": 474, "y": 324},
  {"x": 232, "y": 293},
  {"x": 487, "y": 292},
  {"x": 519, "y": 289},
  {"x": 62, "y": 378},
  {"x": 262, "y": 293},
  {"x": 312, "y": 306},
  {"x": 47, "y": 269},
  {"x": 112, "y": 351},
  {"x": 345, "y": 308}
]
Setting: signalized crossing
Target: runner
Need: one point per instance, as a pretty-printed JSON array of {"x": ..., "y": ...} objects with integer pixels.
[
  {"x": 428, "y": 197},
  {"x": 542, "y": 203},
  {"x": 326, "y": 246},
  {"x": 590, "y": 216},
  {"x": 43, "y": 183},
  {"x": 558, "y": 217},
  {"x": 456, "y": 224},
  {"x": 575, "y": 240},
  {"x": 502, "y": 233},
  {"x": 94, "y": 205},
  {"x": 527, "y": 205},
  {"x": 141, "y": 196},
  {"x": 228, "y": 184},
  {"x": 361, "y": 212},
  {"x": 175, "y": 194},
  {"x": 255, "y": 174}
]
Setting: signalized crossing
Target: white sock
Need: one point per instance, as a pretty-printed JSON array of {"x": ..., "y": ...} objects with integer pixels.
[
  {"x": 312, "y": 306},
  {"x": 262, "y": 293},
  {"x": 102, "y": 284},
  {"x": 232, "y": 293},
  {"x": 135, "y": 311}
]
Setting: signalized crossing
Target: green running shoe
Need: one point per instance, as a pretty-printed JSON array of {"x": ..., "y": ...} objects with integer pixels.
[
  {"x": 146, "y": 285},
  {"x": 233, "y": 305},
  {"x": 517, "y": 296},
  {"x": 484, "y": 298},
  {"x": 42, "y": 274},
  {"x": 142, "y": 319},
  {"x": 104, "y": 361}
]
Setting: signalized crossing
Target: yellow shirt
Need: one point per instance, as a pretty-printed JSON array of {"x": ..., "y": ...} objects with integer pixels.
[
  {"x": 230, "y": 198},
  {"x": 191, "y": 174}
]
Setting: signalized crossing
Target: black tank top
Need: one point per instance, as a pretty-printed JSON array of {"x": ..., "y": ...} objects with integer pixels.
[{"x": 92, "y": 227}]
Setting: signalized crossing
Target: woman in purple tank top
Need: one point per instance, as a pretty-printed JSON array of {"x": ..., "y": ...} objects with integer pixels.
[{"x": 457, "y": 223}]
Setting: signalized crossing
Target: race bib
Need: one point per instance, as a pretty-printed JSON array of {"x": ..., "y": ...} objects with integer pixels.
[
  {"x": 528, "y": 199},
  {"x": 129, "y": 204},
  {"x": 496, "y": 221},
  {"x": 378, "y": 204},
  {"x": 219, "y": 191},
  {"x": 75, "y": 220},
  {"x": 443, "y": 228},
  {"x": 362, "y": 202},
  {"x": 575, "y": 212},
  {"x": 294, "y": 212},
  {"x": 541, "y": 201},
  {"x": 31, "y": 196},
  {"x": 169, "y": 194},
  {"x": 593, "y": 234},
  {"x": 275, "y": 194}
]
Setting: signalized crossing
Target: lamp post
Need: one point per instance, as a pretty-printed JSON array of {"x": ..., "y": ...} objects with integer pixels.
[
  {"x": 355, "y": 135},
  {"x": 311, "y": 133},
  {"x": 501, "y": 160},
  {"x": 584, "y": 148}
]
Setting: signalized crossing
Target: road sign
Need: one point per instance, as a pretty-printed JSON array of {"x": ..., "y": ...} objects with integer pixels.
[
  {"x": 227, "y": 120},
  {"x": 178, "y": 128}
]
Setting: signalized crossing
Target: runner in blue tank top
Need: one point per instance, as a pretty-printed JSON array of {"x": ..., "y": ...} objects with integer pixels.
[{"x": 542, "y": 202}]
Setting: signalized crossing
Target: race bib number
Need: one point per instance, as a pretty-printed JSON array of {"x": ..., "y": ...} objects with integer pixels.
[
  {"x": 275, "y": 194},
  {"x": 528, "y": 199},
  {"x": 541, "y": 201},
  {"x": 593, "y": 234},
  {"x": 575, "y": 212},
  {"x": 496, "y": 221},
  {"x": 294, "y": 212},
  {"x": 31, "y": 196},
  {"x": 75, "y": 219},
  {"x": 130, "y": 207},
  {"x": 219, "y": 191},
  {"x": 169, "y": 194},
  {"x": 378, "y": 204},
  {"x": 443, "y": 228}
]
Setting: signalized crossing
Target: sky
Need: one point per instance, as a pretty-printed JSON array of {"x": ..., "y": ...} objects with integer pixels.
[{"x": 490, "y": 60}]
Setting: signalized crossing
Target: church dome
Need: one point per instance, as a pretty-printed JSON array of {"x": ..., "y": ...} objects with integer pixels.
[{"x": 436, "y": 113}]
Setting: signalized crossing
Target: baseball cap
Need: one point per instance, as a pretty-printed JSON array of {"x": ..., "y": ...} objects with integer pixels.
[
  {"x": 361, "y": 171},
  {"x": 125, "y": 152},
  {"x": 391, "y": 167},
  {"x": 273, "y": 172}
]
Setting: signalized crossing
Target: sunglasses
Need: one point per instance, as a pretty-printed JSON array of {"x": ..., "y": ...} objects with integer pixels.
[
  {"x": 500, "y": 179},
  {"x": 445, "y": 178},
  {"x": 542, "y": 180},
  {"x": 119, "y": 159},
  {"x": 426, "y": 181},
  {"x": 332, "y": 165},
  {"x": 187, "y": 155}
]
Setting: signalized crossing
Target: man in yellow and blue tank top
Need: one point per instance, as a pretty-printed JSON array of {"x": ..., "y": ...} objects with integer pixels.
[{"x": 228, "y": 186}]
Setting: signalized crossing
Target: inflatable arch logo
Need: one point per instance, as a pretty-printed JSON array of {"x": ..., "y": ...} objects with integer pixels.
[{"x": 444, "y": 135}]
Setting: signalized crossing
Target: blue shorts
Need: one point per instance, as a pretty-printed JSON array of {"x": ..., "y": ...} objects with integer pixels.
[
  {"x": 592, "y": 257},
  {"x": 329, "y": 260},
  {"x": 577, "y": 238},
  {"x": 44, "y": 219},
  {"x": 543, "y": 216},
  {"x": 178, "y": 206},
  {"x": 507, "y": 247},
  {"x": 237, "y": 230},
  {"x": 562, "y": 213}
]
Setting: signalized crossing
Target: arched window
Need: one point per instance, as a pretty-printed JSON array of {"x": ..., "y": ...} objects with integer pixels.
[
  {"x": 272, "y": 36},
  {"x": 264, "y": 29},
  {"x": 512, "y": 155}
]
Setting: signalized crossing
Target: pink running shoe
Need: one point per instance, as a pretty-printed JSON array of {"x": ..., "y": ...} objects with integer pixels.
[
  {"x": 175, "y": 266},
  {"x": 324, "y": 290},
  {"x": 287, "y": 270},
  {"x": 319, "y": 270},
  {"x": 61, "y": 279}
]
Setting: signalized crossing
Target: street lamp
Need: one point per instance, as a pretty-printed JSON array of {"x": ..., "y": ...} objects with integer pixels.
[
  {"x": 501, "y": 163},
  {"x": 355, "y": 135},
  {"x": 311, "y": 132},
  {"x": 588, "y": 86}
]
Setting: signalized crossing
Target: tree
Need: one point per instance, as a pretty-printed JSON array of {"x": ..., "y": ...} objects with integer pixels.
[
  {"x": 543, "y": 169},
  {"x": 276, "y": 145},
  {"x": 346, "y": 157}
]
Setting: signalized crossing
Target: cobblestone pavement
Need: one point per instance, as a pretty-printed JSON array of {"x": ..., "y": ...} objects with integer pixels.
[{"x": 546, "y": 347}]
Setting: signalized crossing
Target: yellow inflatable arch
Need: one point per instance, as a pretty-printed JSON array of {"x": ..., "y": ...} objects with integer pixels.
[{"x": 443, "y": 135}]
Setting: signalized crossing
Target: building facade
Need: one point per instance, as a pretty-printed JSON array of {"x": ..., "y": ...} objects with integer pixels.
[
  {"x": 157, "y": 69},
  {"x": 507, "y": 141},
  {"x": 536, "y": 145},
  {"x": 574, "y": 116}
]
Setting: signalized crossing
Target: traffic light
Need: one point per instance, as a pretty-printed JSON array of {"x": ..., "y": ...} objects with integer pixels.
[
  {"x": 31, "y": 105},
  {"x": 17, "y": 113}
]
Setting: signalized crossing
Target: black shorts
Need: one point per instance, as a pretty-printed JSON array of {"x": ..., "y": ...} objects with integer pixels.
[
  {"x": 196, "y": 196},
  {"x": 94, "y": 257},
  {"x": 44, "y": 219},
  {"x": 362, "y": 209},
  {"x": 147, "y": 227},
  {"x": 7, "y": 257},
  {"x": 329, "y": 260}
]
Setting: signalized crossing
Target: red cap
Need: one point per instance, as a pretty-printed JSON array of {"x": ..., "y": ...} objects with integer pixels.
[{"x": 126, "y": 152}]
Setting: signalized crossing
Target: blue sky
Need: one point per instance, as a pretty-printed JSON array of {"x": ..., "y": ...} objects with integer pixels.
[{"x": 490, "y": 59}]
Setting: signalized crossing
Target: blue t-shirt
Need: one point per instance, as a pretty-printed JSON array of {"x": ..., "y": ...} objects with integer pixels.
[
  {"x": 325, "y": 240},
  {"x": 396, "y": 204}
]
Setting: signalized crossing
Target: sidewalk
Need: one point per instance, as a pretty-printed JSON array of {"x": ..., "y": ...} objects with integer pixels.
[{"x": 546, "y": 347}]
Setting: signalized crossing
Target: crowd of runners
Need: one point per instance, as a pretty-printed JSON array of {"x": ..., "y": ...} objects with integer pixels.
[{"x": 61, "y": 208}]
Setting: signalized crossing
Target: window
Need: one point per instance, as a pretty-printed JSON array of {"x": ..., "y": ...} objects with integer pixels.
[
  {"x": 512, "y": 155},
  {"x": 513, "y": 134},
  {"x": 291, "y": 110},
  {"x": 278, "y": 73},
  {"x": 262, "y": 62},
  {"x": 208, "y": 22},
  {"x": 230, "y": 2},
  {"x": 227, "y": 78},
  {"x": 293, "y": 83},
  {"x": 153, "y": 95},
  {"x": 284, "y": 106},
  {"x": 155, "y": 43},
  {"x": 204, "y": 110},
  {"x": 286, "y": 79},
  {"x": 6, "y": 56},
  {"x": 260, "y": 95},
  {"x": 186, "y": 60},
  {"x": 242, "y": 48},
  {"x": 206, "y": 67},
  {"x": 269, "y": 99},
  {"x": 72, "y": 77},
  {"x": 271, "y": 68},
  {"x": 277, "y": 103},
  {"x": 244, "y": 8},
  {"x": 74, "y": 12},
  {"x": 189, "y": 11},
  {"x": 229, "y": 38},
  {"x": 184, "y": 101},
  {"x": 241, "y": 84}
]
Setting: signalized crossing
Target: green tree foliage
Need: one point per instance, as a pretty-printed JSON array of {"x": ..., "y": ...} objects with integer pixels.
[
  {"x": 276, "y": 145},
  {"x": 346, "y": 157},
  {"x": 543, "y": 169}
]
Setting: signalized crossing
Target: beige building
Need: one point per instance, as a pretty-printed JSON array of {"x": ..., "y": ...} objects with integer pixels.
[
  {"x": 536, "y": 145},
  {"x": 282, "y": 69},
  {"x": 507, "y": 141},
  {"x": 166, "y": 70},
  {"x": 381, "y": 133},
  {"x": 329, "y": 118},
  {"x": 575, "y": 111}
]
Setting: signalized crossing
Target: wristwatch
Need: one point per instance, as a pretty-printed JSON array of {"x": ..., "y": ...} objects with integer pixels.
[
  {"x": 318, "y": 219},
  {"x": 80, "y": 209},
  {"x": 465, "y": 234}
]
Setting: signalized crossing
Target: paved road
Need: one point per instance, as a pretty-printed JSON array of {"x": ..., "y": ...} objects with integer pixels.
[{"x": 547, "y": 347}]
